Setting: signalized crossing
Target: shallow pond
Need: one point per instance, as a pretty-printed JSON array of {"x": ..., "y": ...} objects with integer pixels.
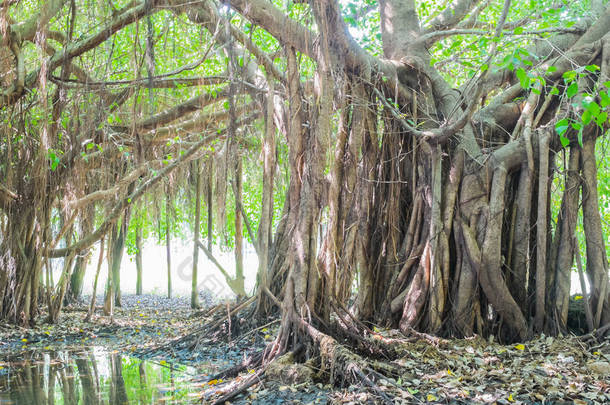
[{"x": 93, "y": 376}]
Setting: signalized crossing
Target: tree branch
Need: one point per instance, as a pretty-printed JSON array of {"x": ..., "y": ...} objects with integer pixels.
[
  {"x": 431, "y": 37},
  {"x": 156, "y": 82},
  {"x": 452, "y": 16},
  {"x": 194, "y": 125},
  {"x": 25, "y": 31},
  {"x": 207, "y": 15},
  {"x": 72, "y": 50},
  {"x": 292, "y": 33}
]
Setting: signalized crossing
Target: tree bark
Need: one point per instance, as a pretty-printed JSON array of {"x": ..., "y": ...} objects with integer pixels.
[
  {"x": 168, "y": 253},
  {"x": 139, "y": 249},
  {"x": 265, "y": 226},
  {"x": 194, "y": 287},
  {"x": 239, "y": 231},
  {"x": 597, "y": 262}
]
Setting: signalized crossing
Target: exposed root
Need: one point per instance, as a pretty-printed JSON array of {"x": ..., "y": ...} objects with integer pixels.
[
  {"x": 343, "y": 365},
  {"x": 248, "y": 382}
]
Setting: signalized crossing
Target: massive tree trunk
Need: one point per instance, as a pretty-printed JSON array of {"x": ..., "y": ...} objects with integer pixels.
[
  {"x": 305, "y": 296},
  {"x": 452, "y": 231}
]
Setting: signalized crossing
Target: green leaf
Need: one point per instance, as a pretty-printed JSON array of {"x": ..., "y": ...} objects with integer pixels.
[
  {"x": 551, "y": 69},
  {"x": 600, "y": 120},
  {"x": 593, "y": 108},
  {"x": 524, "y": 79},
  {"x": 586, "y": 117},
  {"x": 564, "y": 141},
  {"x": 605, "y": 98},
  {"x": 569, "y": 76},
  {"x": 572, "y": 90},
  {"x": 554, "y": 91},
  {"x": 518, "y": 30},
  {"x": 592, "y": 68},
  {"x": 562, "y": 126}
]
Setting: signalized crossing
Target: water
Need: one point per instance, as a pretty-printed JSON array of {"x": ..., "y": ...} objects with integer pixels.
[{"x": 93, "y": 376}]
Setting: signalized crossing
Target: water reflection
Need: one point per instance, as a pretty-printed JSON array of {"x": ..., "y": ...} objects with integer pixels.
[{"x": 91, "y": 376}]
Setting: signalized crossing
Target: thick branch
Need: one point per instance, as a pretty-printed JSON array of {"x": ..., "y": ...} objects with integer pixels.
[
  {"x": 292, "y": 33},
  {"x": 207, "y": 15},
  {"x": 26, "y": 31},
  {"x": 452, "y": 16},
  {"x": 154, "y": 82}
]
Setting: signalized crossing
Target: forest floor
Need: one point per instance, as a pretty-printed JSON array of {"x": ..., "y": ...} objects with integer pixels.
[{"x": 544, "y": 370}]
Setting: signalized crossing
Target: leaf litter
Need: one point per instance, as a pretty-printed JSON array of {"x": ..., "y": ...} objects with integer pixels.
[{"x": 475, "y": 370}]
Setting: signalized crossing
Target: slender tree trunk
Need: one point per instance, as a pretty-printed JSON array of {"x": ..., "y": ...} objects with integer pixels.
[
  {"x": 194, "y": 286},
  {"x": 209, "y": 201},
  {"x": 264, "y": 233},
  {"x": 87, "y": 220},
  {"x": 566, "y": 226},
  {"x": 597, "y": 262},
  {"x": 542, "y": 232},
  {"x": 91, "y": 310},
  {"x": 139, "y": 248},
  {"x": 239, "y": 231},
  {"x": 117, "y": 258},
  {"x": 110, "y": 286},
  {"x": 168, "y": 207}
]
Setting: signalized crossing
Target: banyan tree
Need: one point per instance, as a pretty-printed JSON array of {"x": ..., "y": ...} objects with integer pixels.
[
  {"x": 426, "y": 147},
  {"x": 438, "y": 196}
]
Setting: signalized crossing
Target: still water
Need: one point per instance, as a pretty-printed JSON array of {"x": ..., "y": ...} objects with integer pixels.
[{"x": 93, "y": 376}]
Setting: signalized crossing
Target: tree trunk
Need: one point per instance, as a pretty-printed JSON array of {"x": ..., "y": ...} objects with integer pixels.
[
  {"x": 597, "y": 262},
  {"x": 91, "y": 310},
  {"x": 168, "y": 208},
  {"x": 264, "y": 233},
  {"x": 209, "y": 201},
  {"x": 87, "y": 220},
  {"x": 194, "y": 287},
  {"x": 117, "y": 257},
  {"x": 139, "y": 248},
  {"x": 239, "y": 231}
]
